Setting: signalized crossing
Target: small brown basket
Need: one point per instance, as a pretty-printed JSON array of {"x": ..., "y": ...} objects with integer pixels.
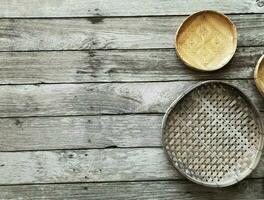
[
  {"x": 259, "y": 75},
  {"x": 213, "y": 134},
  {"x": 206, "y": 40}
]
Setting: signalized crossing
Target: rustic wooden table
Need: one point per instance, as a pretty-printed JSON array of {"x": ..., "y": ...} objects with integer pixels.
[{"x": 84, "y": 86}]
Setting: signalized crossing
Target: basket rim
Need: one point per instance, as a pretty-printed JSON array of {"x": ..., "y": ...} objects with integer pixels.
[
  {"x": 258, "y": 118},
  {"x": 234, "y": 29}
]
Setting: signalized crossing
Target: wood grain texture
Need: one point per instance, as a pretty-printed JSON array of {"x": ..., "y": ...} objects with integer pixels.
[
  {"x": 115, "y": 65},
  {"x": 181, "y": 189},
  {"x": 110, "y": 33},
  {"x": 80, "y": 132},
  {"x": 90, "y": 166},
  {"x": 82, "y": 8},
  {"x": 104, "y": 98}
]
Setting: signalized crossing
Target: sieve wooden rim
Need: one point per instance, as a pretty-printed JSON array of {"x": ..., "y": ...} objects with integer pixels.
[
  {"x": 258, "y": 120},
  {"x": 257, "y": 78},
  {"x": 234, "y": 31}
]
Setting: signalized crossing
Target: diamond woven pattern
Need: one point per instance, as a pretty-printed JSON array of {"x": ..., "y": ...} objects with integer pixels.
[{"x": 213, "y": 136}]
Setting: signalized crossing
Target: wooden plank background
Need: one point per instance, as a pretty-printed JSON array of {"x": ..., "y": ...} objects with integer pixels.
[{"x": 83, "y": 89}]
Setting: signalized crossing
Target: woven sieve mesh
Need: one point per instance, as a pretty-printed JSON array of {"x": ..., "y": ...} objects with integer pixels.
[{"x": 213, "y": 135}]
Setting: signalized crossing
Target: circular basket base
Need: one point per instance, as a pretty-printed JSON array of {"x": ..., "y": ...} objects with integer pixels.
[
  {"x": 206, "y": 40},
  {"x": 213, "y": 135}
]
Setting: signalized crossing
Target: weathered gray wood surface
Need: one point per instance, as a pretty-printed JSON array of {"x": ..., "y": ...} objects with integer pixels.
[
  {"x": 82, "y": 8},
  {"x": 110, "y": 98},
  {"x": 115, "y": 65},
  {"x": 54, "y": 117},
  {"x": 248, "y": 189},
  {"x": 96, "y": 165},
  {"x": 110, "y": 33},
  {"x": 80, "y": 132}
]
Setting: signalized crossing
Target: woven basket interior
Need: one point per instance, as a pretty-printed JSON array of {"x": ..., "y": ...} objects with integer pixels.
[{"x": 213, "y": 135}]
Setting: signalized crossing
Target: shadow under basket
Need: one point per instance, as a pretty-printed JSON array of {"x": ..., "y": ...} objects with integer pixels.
[{"x": 213, "y": 134}]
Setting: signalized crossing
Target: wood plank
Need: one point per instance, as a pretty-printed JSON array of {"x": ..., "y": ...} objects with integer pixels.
[
  {"x": 115, "y": 65},
  {"x": 104, "y": 98},
  {"x": 110, "y": 33},
  {"x": 80, "y": 132},
  {"x": 95, "y": 165},
  {"x": 247, "y": 189},
  {"x": 82, "y": 8}
]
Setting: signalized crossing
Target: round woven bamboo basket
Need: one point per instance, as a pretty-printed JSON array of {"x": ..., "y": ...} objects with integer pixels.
[
  {"x": 259, "y": 75},
  {"x": 206, "y": 40},
  {"x": 213, "y": 134}
]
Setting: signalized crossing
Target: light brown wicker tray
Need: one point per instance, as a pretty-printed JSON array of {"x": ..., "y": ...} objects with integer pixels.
[
  {"x": 206, "y": 40},
  {"x": 259, "y": 75},
  {"x": 213, "y": 134}
]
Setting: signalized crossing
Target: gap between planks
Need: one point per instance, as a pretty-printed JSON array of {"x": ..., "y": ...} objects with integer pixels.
[{"x": 124, "y": 16}]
